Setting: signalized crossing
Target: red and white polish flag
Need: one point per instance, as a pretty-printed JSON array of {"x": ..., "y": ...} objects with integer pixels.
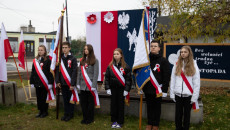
[
  {"x": 21, "y": 52},
  {"x": 5, "y": 52},
  {"x": 55, "y": 51}
]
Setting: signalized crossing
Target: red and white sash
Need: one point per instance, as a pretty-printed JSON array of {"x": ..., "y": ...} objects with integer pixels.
[
  {"x": 156, "y": 85},
  {"x": 50, "y": 95},
  {"x": 74, "y": 97},
  {"x": 195, "y": 105},
  {"x": 89, "y": 83},
  {"x": 121, "y": 78}
]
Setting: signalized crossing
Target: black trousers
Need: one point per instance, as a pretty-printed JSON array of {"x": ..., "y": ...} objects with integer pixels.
[
  {"x": 87, "y": 105},
  {"x": 41, "y": 94},
  {"x": 153, "y": 109},
  {"x": 117, "y": 105},
  {"x": 183, "y": 110},
  {"x": 66, "y": 94}
]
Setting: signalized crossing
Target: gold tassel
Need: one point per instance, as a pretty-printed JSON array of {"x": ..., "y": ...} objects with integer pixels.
[
  {"x": 127, "y": 102},
  {"x": 159, "y": 95},
  {"x": 97, "y": 106},
  {"x": 49, "y": 101},
  {"x": 196, "y": 110},
  {"x": 72, "y": 102},
  {"x": 52, "y": 72}
]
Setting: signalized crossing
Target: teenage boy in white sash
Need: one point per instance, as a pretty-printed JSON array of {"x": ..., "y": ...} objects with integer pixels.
[
  {"x": 118, "y": 84},
  {"x": 87, "y": 82},
  {"x": 70, "y": 64},
  {"x": 42, "y": 62},
  {"x": 157, "y": 86},
  {"x": 185, "y": 87}
]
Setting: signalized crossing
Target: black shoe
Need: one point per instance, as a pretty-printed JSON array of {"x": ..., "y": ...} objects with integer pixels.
[
  {"x": 89, "y": 122},
  {"x": 63, "y": 118},
  {"x": 39, "y": 114},
  {"x": 44, "y": 114},
  {"x": 68, "y": 118},
  {"x": 83, "y": 122}
]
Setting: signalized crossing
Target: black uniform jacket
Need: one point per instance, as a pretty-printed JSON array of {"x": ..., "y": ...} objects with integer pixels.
[
  {"x": 34, "y": 78},
  {"x": 71, "y": 69},
  {"x": 111, "y": 80},
  {"x": 163, "y": 76}
]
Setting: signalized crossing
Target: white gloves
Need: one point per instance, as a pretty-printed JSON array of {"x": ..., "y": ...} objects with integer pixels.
[
  {"x": 78, "y": 86},
  {"x": 50, "y": 86},
  {"x": 174, "y": 99},
  {"x": 93, "y": 89},
  {"x": 125, "y": 93},
  {"x": 32, "y": 85},
  {"x": 191, "y": 102},
  {"x": 164, "y": 94},
  {"x": 109, "y": 92}
]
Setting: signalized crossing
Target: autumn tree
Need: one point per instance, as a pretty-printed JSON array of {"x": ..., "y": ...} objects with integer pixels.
[{"x": 194, "y": 18}]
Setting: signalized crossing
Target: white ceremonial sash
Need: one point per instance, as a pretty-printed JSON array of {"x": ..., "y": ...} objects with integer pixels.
[
  {"x": 74, "y": 97},
  {"x": 50, "y": 95},
  {"x": 195, "y": 105},
  {"x": 121, "y": 78},
  {"x": 156, "y": 84},
  {"x": 89, "y": 83},
  {"x": 118, "y": 75}
]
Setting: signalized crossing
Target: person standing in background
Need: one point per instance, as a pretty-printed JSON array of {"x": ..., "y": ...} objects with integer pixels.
[
  {"x": 185, "y": 87},
  {"x": 157, "y": 86}
]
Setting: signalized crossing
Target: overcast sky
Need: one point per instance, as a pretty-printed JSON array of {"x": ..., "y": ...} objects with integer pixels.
[{"x": 43, "y": 13}]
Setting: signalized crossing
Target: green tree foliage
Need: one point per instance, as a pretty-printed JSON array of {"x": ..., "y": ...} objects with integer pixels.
[
  {"x": 77, "y": 46},
  {"x": 194, "y": 18}
]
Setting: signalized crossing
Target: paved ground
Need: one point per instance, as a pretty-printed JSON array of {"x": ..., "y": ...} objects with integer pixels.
[{"x": 12, "y": 67}]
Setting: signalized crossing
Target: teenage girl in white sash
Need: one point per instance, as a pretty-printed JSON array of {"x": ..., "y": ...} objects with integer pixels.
[
  {"x": 118, "y": 84},
  {"x": 87, "y": 82},
  {"x": 35, "y": 81},
  {"x": 184, "y": 92}
]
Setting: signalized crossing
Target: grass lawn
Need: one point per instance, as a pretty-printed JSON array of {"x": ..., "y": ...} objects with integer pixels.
[
  {"x": 22, "y": 116},
  {"x": 18, "y": 82}
]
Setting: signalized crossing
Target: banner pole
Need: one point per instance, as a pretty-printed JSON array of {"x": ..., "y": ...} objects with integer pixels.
[
  {"x": 21, "y": 79},
  {"x": 140, "y": 112}
]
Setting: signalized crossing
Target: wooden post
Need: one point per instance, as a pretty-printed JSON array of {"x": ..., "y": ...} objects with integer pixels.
[
  {"x": 140, "y": 112},
  {"x": 28, "y": 77}
]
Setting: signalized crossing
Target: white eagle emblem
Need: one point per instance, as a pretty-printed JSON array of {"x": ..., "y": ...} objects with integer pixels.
[
  {"x": 123, "y": 20},
  {"x": 132, "y": 39}
]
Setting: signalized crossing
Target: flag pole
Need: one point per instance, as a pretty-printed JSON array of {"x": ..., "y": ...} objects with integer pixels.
[
  {"x": 140, "y": 112},
  {"x": 59, "y": 62},
  {"x": 28, "y": 77},
  {"x": 21, "y": 79},
  {"x": 67, "y": 28}
]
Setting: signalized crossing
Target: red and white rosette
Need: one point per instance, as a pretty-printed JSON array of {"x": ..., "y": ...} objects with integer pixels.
[
  {"x": 108, "y": 17},
  {"x": 122, "y": 70},
  {"x": 69, "y": 63},
  {"x": 92, "y": 19},
  {"x": 41, "y": 65},
  {"x": 157, "y": 67},
  {"x": 86, "y": 65}
]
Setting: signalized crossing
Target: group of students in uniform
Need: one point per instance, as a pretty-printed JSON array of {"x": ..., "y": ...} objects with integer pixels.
[{"x": 118, "y": 80}]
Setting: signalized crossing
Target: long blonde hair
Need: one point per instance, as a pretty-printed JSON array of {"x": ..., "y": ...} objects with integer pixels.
[
  {"x": 189, "y": 69},
  {"x": 123, "y": 63}
]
